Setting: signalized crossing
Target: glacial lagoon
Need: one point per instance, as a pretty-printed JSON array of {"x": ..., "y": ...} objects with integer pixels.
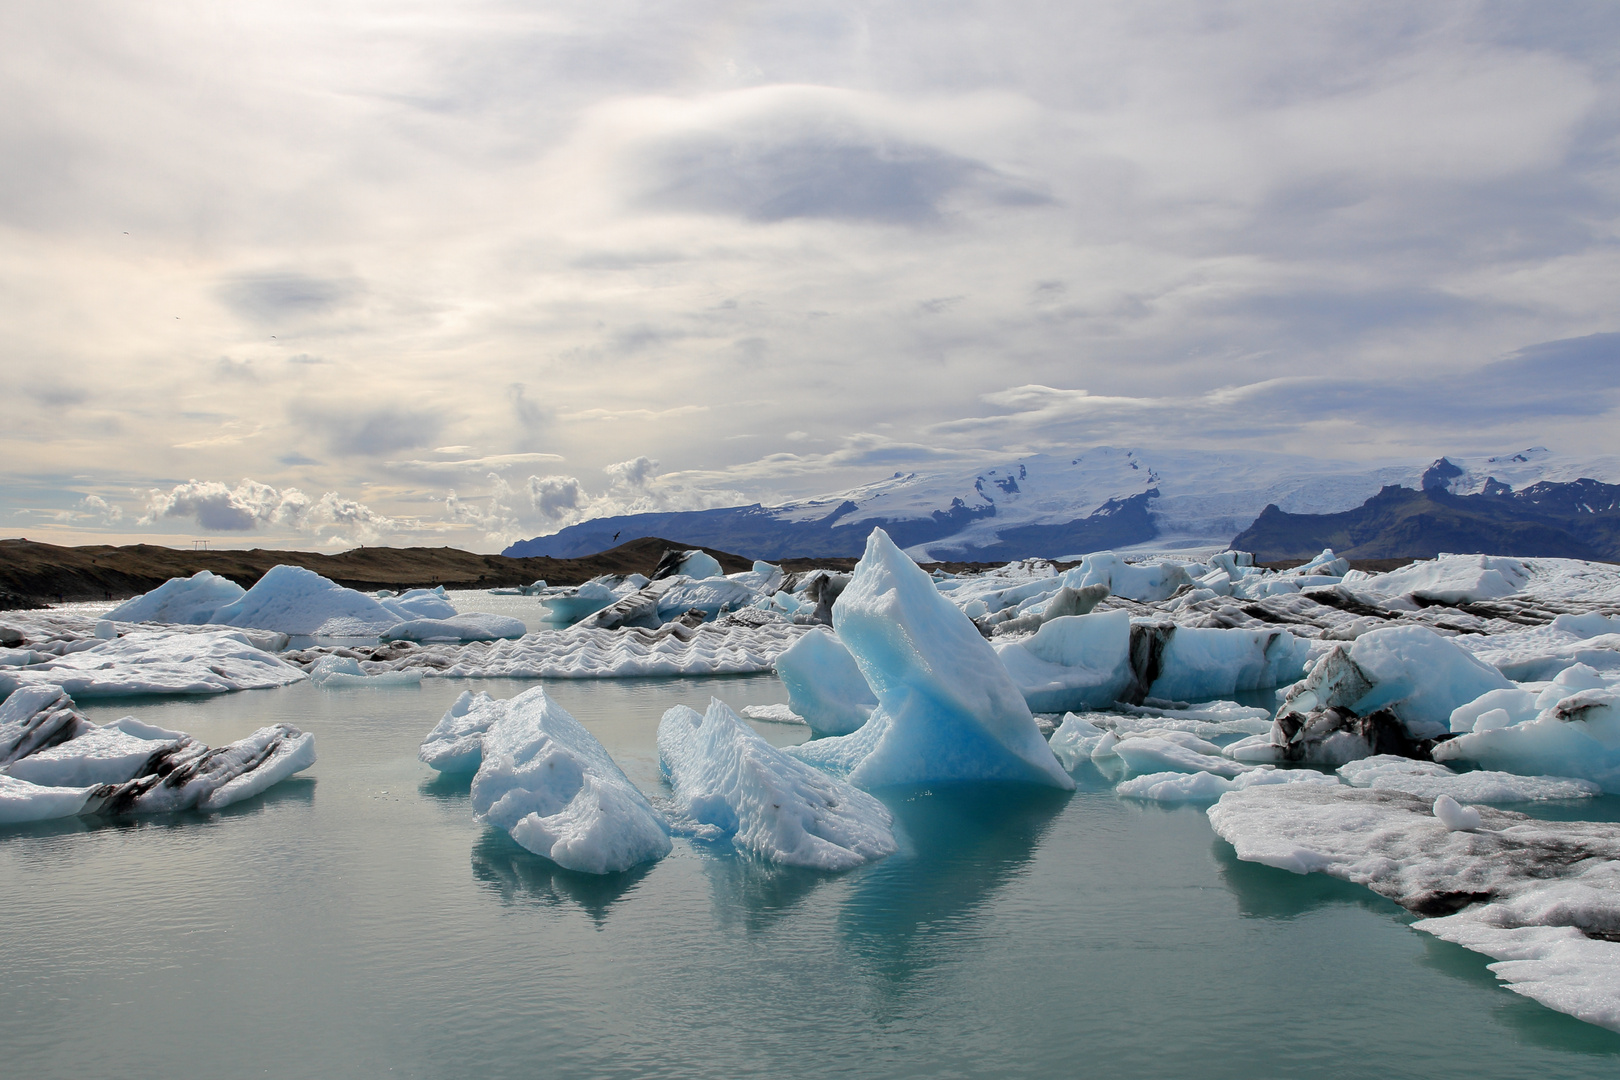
[{"x": 355, "y": 921}]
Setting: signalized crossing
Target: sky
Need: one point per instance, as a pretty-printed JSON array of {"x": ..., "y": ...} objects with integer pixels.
[{"x": 312, "y": 275}]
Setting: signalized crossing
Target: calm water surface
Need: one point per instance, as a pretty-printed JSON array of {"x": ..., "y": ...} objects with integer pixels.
[{"x": 356, "y": 922}]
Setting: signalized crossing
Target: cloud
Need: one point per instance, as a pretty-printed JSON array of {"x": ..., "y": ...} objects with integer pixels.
[
  {"x": 634, "y": 473},
  {"x": 251, "y": 505},
  {"x": 369, "y": 431},
  {"x": 269, "y": 299}
]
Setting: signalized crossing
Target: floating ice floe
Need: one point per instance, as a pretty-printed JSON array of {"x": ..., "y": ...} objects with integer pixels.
[
  {"x": 1577, "y": 737},
  {"x": 947, "y": 708},
  {"x": 1540, "y": 897},
  {"x": 1430, "y": 780},
  {"x": 343, "y": 672},
  {"x": 1207, "y": 786},
  {"x": 1174, "y": 751},
  {"x": 775, "y": 714},
  {"x": 473, "y": 626},
  {"x": 1202, "y": 663},
  {"x": 671, "y": 650},
  {"x": 58, "y": 764},
  {"x": 1539, "y": 653},
  {"x": 157, "y": 662},
  {"x": 1074, "y": 662},
  {"x": 456, "y": 743},
  {"x": 549, "y": 783},
  {"x": 728, "y": 778},
  {"x": 1449, "y": 579},
  {"x": 824, "y": 684}
]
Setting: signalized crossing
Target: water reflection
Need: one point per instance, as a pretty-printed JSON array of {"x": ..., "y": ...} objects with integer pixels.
[
  {"x": 1265, "y": 892},
  {"x": 518, "y": 875},
  {"x": 963, "y": 843},
  {"x": 450, "y": 788},
  {"x": 754, "y": 893}
]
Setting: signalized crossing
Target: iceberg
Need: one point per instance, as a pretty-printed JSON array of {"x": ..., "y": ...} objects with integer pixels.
[
  {"x": 35, "y": 718},
  {"x": 1449, "y": 579},
  {"x": 1203, "y": 663},
  {"x": 196, "y": 776},
  {"x": 1410, "y": 670},
  {"x": 113, "y": 754},
  {"x": 1147, "y": 584},
  {"x": 421, "y": 604},
  {"x": 456, "y": 743},
  {"x": 726, "y": 777},
  {"x": 1540, "y": 897},
  {"x": 947, "y": 708},
  {"x": 298, "y": 601},
  {"x": 342, "y": 672},
  {"x": 585, "y": 600},
  {"x": 21, "y": 801},
  {"x": 188, "y": 601},
  {"x": 712, "y": 596},
  {"x": 473, "y": 626},
  {"x": 1168, "y": 751},
  {"x": 1577, "y": 737},
  {"x": 824, "y": 684},
  {"x": 1073, "y": 662},
  {"x": 554, "y": 789},
  {"x": 1074, "y": 740}
]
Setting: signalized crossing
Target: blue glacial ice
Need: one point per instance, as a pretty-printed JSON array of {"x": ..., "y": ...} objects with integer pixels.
[
  {"x": 552, "y": 786},
  {"x": 824, "y": 684},
  {"x": 1073, "y": 663},
  {"x": 947, "y": 708},
  {"x": 1203, "y": 663},
  {"x": 1579, "y": 736},
  {"x": 727, "y": 778}
]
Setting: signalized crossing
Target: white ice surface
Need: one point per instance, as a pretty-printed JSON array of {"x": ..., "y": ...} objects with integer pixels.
[
  {"x": 472, "y": 626},
  {"x": 551, "y": 785},
  {"x": 103, "y": 755},
  {"x": 21, "y": 801},
  {"x": 298, "y": 601},
  {"x": 343, "y": 672},
  {"x": 1420, "y": 676},
  {"x": 1530, "y": 887},
  {"x": 1207, "y": 786},
  {"x": 824, "y": 684},
  {"x": 1430, "y": 780},
  {"x": 456, "y": 743},
  {"x": 727, "y": 777},
  {"x": 1144, "y": 754},
  {"x": 188, "y": 600},
  {"x": 159, "y": 662},
  {"x": 948, "y": 710},
  {"x": 1450, "y": 579},
  {"x": 1578, "y": 737}
]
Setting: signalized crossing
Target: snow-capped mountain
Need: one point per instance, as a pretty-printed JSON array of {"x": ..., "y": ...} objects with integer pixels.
[{"x": 1055, "y": 506}]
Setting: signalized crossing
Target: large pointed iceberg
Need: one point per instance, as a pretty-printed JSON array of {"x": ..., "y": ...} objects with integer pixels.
[
  {"x": 726, "y": 776},
  {"x": 553, "y": 787},
  {"x": 947, "y": 708}
]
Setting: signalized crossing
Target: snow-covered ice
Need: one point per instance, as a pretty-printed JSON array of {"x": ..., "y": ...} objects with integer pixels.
[
  {"x": 21, "y": 801},
  {"x": 456, "y": 743},
  {"x": 551, "y": 785},
  {"x": 189, "y": 600},
  {"x": 158, "y": 662},
  {"x": 1540, "y": 897},
  {"x": 333, "y": 672},
  {"x": 947, "y": 708},
  {"x": 111, "y": 754},
  {"x": 1429, "y": 780},
  {"x": 1207, "y": 786},
  {"x": 725, "y": 776}
]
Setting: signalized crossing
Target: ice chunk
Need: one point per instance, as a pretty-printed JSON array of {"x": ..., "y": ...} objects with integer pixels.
[
  {"x": 573, "y": 606},
  {"x": 1456, "y": 817},
  {"x": 1452, "y": 579},
  {"x": 21, "y": 801},
  {"x": 35, "y": 718},
  {"x": 422, "y": 604},
  {"x": 692, "y": 563},
  {"x": 725, "y": 776},
  {"x": 775, "y": 714},
  {"x": 1072, "y": 662},
  {"x": 456, "y": 744},
  {"x": 1210, "y": 719},
  {"x": 160, "y": 662},
  {"x": 709, "y": 595},
  {"x": 342, "y": 672},
  {"x": 1541, "y": 897},
  {"x": 187, "y": 600},
  {"x": 194, "y": 776},
  {"x": 1515, "y": 704},
  {"x": 1429, "y": 780},
  {"x": 112, "y": 754},
  {"x": 470, "y": 626},
  {"x": 1173, "y": 751},
  {"x": 1579, "y": 737},
  {"x": 1074, "y": 740},
  {"x": 1200, "y": 663},
  {"x": 298, "y": 601},
  {"x": 551, "y": 785},
  {"x": 1142, "y": 583},
  {"x": 1207, "y": 786},
  {"x": 824, "y": 684},
  {"x": 1410, "y": 670},
  {"x": 947, "y": 708}
]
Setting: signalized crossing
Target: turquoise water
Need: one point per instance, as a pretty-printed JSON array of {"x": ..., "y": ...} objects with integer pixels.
[{"x": 356, "y": 922}]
